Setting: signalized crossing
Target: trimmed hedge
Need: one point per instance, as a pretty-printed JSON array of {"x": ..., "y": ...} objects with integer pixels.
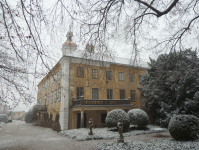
[
  {"x": 114, "y": 116},
  {"x": 184, "y": 127},
  {"x": 138, "y": 117}
]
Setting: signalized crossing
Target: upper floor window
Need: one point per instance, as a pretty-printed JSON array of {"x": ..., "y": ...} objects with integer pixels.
[
  {"x": 80, "y": 72},
  {"x": 122, "y": 94},
  {"x": 95, "y": 73},
  {"x": 55, "y": 96},
  {"x": 109, "y": 94},
  {"x": 121, "y": 76},
  {"x": 48, "y": 99},
  {"x": 133, "y": 95},
  {"x": 60, "y": 94},
  {"x": 45, "y": 101},
  {"x": 80, "y": 92},
  {"x": 60, "y": 73},
  {"x": 131, "y": 77},
  {"x": 49, "y": 82},
  {"x": 52, "y": 97},
  {"x": 95, "y": 93},
  {"x": 52, "y": 79},
  {"x": 108, "y": 75}
]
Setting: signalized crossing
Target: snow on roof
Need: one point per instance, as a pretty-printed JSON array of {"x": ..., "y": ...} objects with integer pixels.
[{"x": 108, "y": 58}]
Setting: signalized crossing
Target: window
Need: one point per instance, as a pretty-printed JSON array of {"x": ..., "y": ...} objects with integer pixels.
[
  {"x": 133, "y": 95},
  {"x": 131, "y": 77},
  {"x": 140, "y": 77},
  {"x": 19, "y": 114},
  {"x": 46, "y": 84},
  {"x": 103, "y": 117},
  {"x": 45, "y": 101},
  {"x": 48, "y": 99},
  {"x": 95, "y": 73},
  {"x": 80, "y": 72},
  {"x": 122, "y": 94},
  {"x": 52, "y": 97},
  {"x": 60, "y": 73},
  {"x": 55, "y": 97},
  {"x": 80, "y": 92},
  {"x": 121, "y": 76},
  {"x": 49, "y": 82},
  {"x": 95, "y": 93},
  {"x": 108, "y": 75},
  {"x": 59, "y": 94},
  {"x": 52, "y": 79},
  {"x": 40, "y": 101},
  {"x": 109, "y": 94}
]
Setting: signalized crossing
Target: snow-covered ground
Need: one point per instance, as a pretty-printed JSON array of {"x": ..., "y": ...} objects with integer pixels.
[
  {"x": 1, "y": 125},
  {"x": 81, "y": 134},
  {"x": 167, "y": 144}
]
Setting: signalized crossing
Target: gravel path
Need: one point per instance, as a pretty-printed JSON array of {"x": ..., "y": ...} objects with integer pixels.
[{"x": 22, "y": 136}]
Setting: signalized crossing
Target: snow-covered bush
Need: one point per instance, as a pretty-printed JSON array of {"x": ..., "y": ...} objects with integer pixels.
[
  {"x": 3, "y": 117},
  {"x": 28, "y": 117},
  {"x": 184, "y": 127},
  {"x": 138, "y": 117},
  {"x": 114, "y": 116}
]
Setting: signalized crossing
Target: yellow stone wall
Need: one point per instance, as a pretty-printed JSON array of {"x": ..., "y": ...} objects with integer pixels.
[
  {"x": 103, "y": 84},
  {"x": 52, "y": 108},
  {"x": 16, "y": 114}
]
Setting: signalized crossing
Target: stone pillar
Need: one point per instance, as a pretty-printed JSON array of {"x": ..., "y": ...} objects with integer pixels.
[{"x": 82, "y": 118}]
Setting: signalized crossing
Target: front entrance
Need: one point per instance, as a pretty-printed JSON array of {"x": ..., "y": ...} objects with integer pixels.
[{"x": 79, "y": 120}]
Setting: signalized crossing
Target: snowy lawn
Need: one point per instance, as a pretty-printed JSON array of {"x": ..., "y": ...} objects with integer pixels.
[
  {"x": 1, "y": 125},
  {"x": 167, "y": 144},
  {"x": 81, "y": 134}
]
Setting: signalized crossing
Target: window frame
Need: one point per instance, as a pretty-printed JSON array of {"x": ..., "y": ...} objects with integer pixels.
[
  {"x": 78, "y": 93},
  {"x": 59, "y": 95},
  {"x": 123, "y": 94},
  {"x": 109, "y": 93},
  {"x": 108, "y": 75},
  {"x": 80, "y": 72},
  {"x": 95, "y": 73},
  {"x": 95, "y": 92},
  {"x": 55, "y": 96},
  {"x": 60, "y": 73},
  {"x": 52, "y": 95},
  {"x": 121, "y": 76},
  {"x": 131, "y": 77},
  {"x": 133, "y": 94}
]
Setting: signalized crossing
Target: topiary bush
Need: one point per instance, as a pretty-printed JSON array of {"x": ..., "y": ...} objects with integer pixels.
[
  {"x": 184, "y": 127},
  {"x": 114, "y": 116},
  {"x": 28, "y": 117},
  {"x": 138, "y": 117}
]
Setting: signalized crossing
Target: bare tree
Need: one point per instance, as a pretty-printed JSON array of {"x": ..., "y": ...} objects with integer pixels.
[{"x": 157, "y": 25}]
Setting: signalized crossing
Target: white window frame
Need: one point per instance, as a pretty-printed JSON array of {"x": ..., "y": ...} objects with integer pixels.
[
  {"x": 55, "y": 96},
  {"x": 121, "y": 76},
  {"x": 59, "y": 94},
  {"x": 51, "y": 97}
]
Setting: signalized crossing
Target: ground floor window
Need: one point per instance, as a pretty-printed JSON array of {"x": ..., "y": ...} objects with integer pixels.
[{"x": 133, "y": 95}]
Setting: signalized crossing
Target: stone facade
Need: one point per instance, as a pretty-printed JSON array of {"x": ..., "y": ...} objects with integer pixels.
[{"x": 78, "y": 89}]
